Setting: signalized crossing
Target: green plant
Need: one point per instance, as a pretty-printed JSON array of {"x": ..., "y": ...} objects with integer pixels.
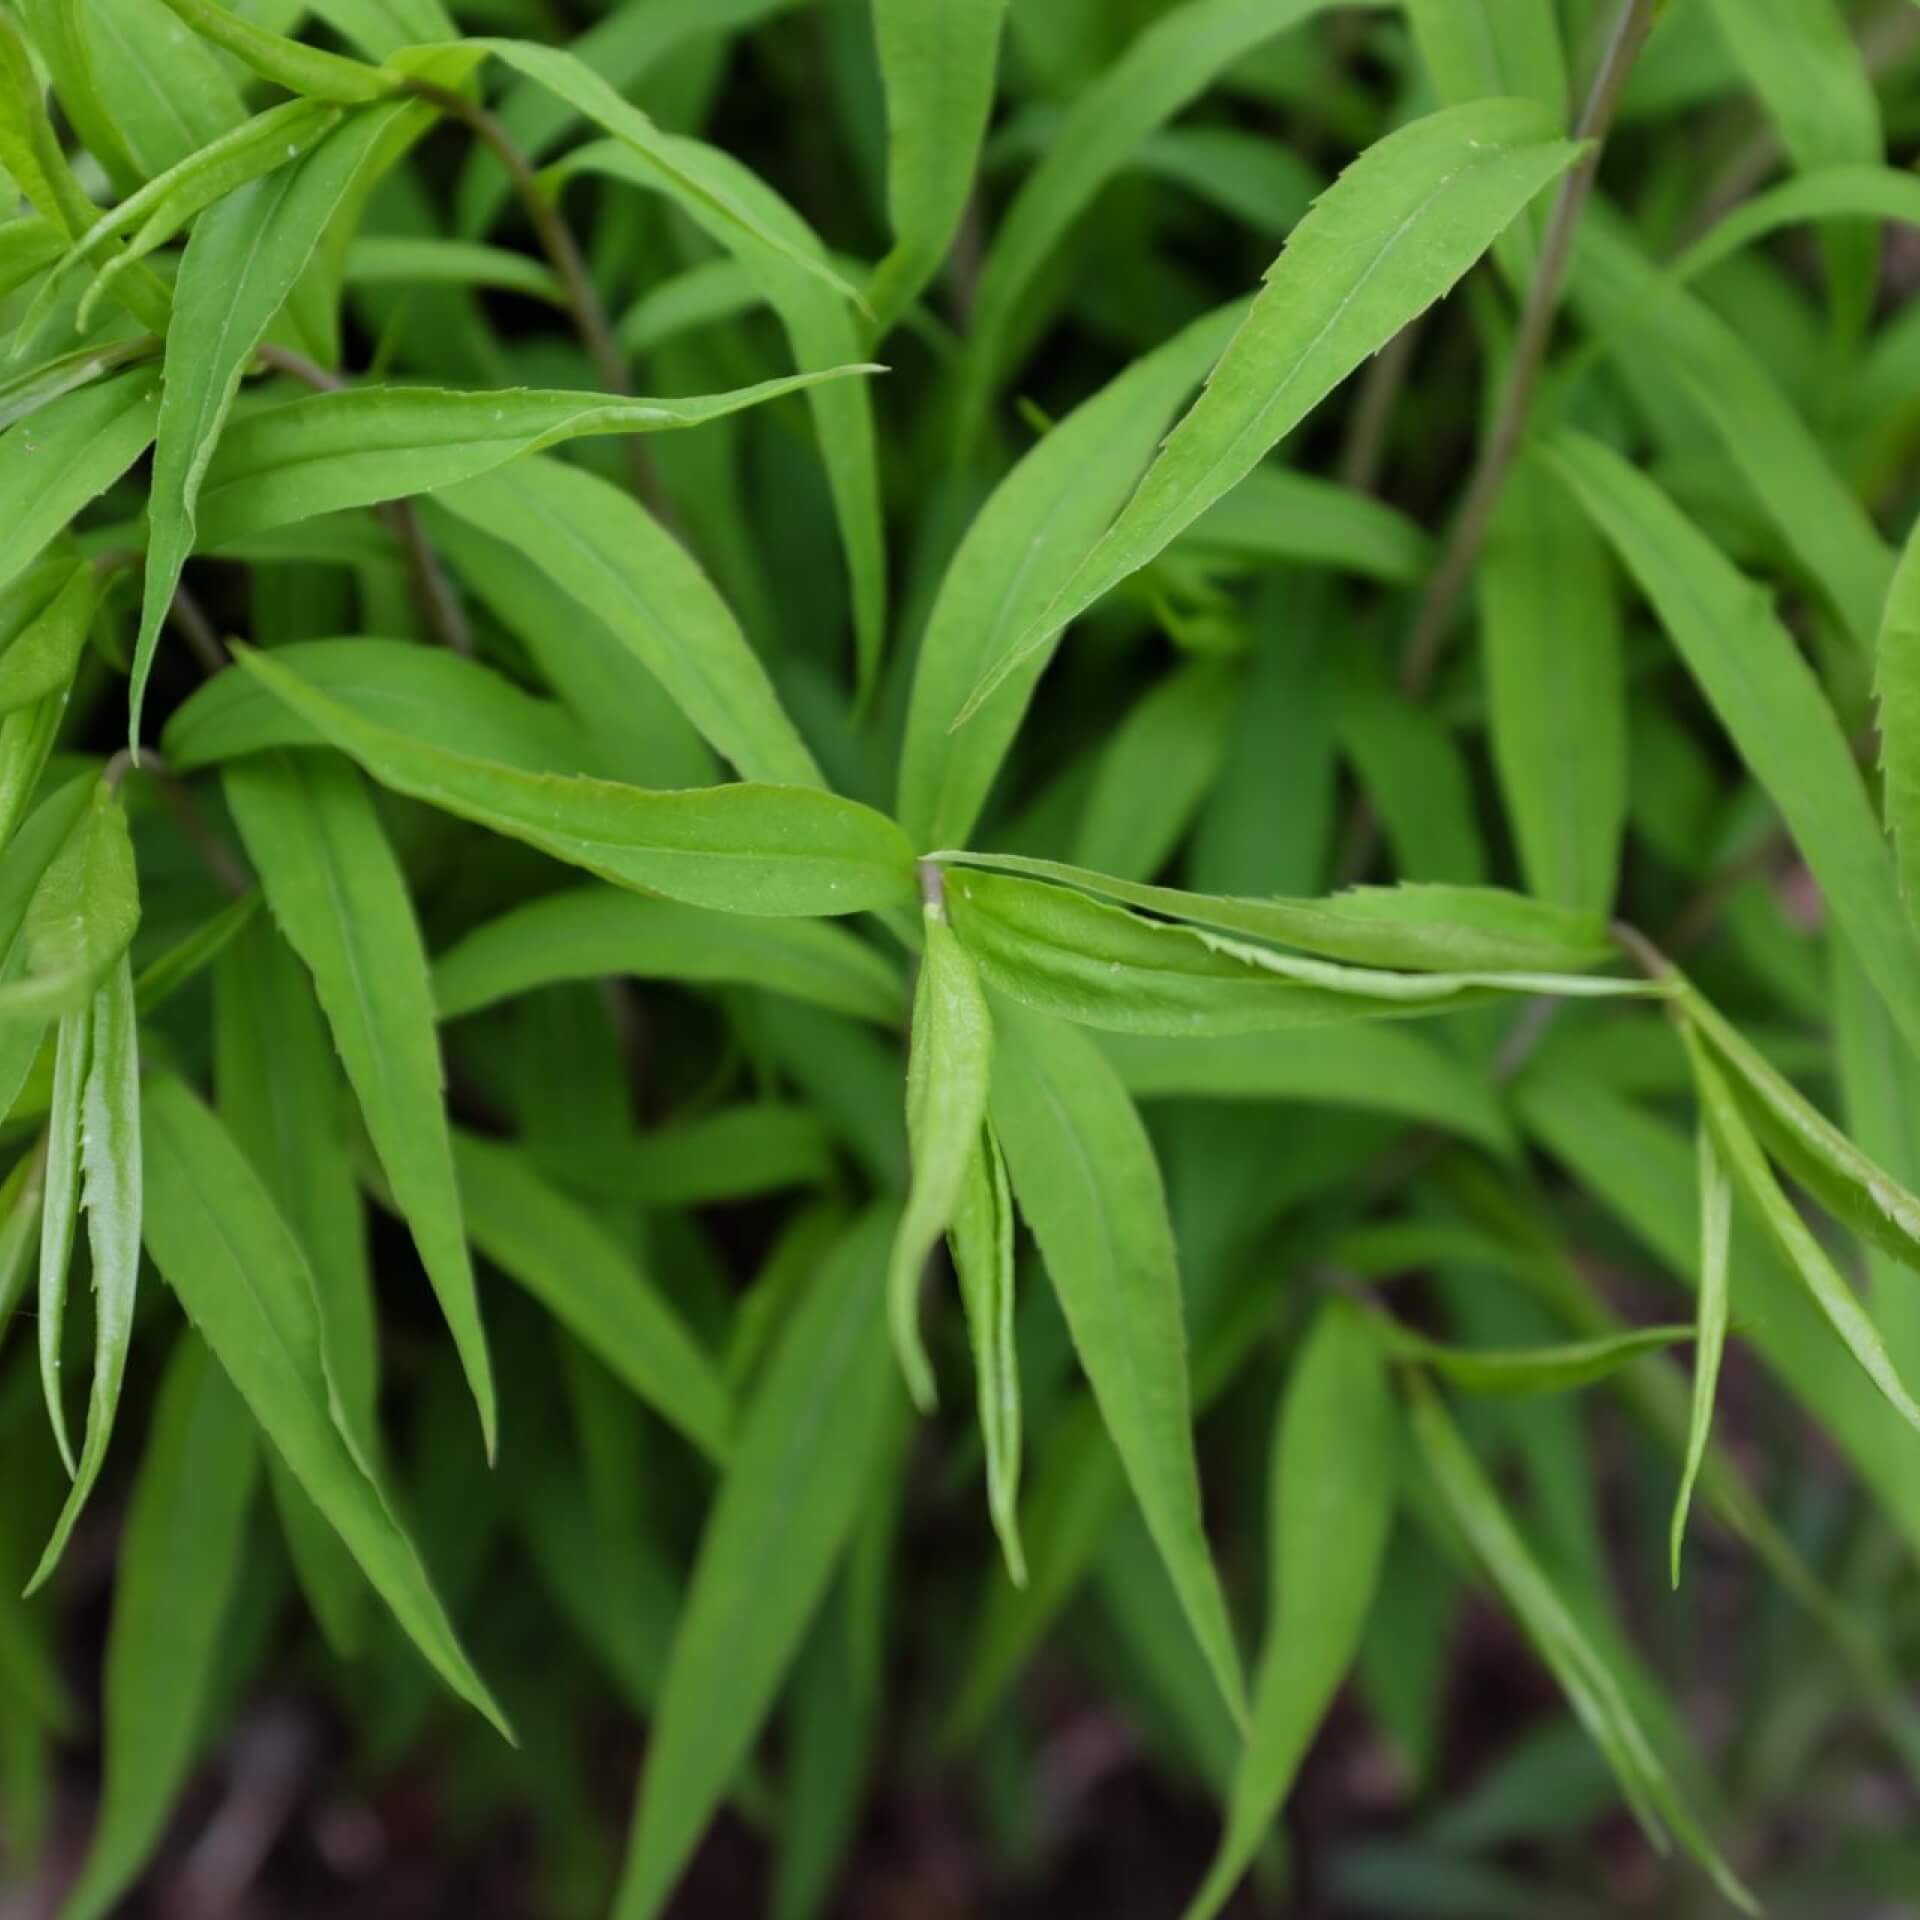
[{"x": 390, "y": 695}]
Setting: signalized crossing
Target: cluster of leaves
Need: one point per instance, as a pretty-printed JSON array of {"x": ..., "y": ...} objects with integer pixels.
[{"x": 533, "y": 840}]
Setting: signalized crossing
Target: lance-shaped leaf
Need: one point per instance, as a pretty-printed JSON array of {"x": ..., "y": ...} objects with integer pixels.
[
  {"x": 949, "y": 1064},
  {"x": 59, "y": 458},
  {"x": 1897, "y": 689},
  {"x": 179, "y": 1568},
  {"x": 1332, "y": 1484},
  {"x": 109, "y": 1147},
  {"x": 35, "y": 387},
  {"x": 1385, "y": 241},
  {"x": 938, "y": 59},
  {"x": 81, "y": 918},
  {"x": 562, "y": 1256},
  {"x": 1085, "y": 1175},
  {"x": 1554, "y": 1369},
  {"x": 1716, "y": 1240},
  {"x": 598, "y": 548},
  {"x": 40, "y": 660},
  {"x": 806, "y": 1455},
  {"x": 1839, "y": 1305},
  {"x": 244, "y": 258},
  {"x": 1420, "y": 928},
  {"x": 1036, "y": 527},
  {"x": 1083, "y": 960},
  {"x": 743, "y": 849},
  {"x": 287, "y": 63},
  {"x": 1826, "y": 193},
  {"x": 981, "y": 1240},
  {"x": 1767, "y": 698},
  {"x": 586, "y": 933},
  {"x": 325, "y": 452},
  {"x": 221, "y": 1245},
  {"x": 336, "y": 891},
  {"x": 58, "y": 1213},
  {"x": 163, "y": 976},
  {"x": 1589, "y": 1682}
]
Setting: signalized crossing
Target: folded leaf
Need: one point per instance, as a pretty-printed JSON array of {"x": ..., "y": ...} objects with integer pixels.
[
  {"x": 336, "y": 892},
  {"x": 1555, "y": 1369},
  {"x": 1716, "y": 1232},
  {"x": 805, "y": 1456},
  {"x": 287, "y": 63},
  {"x": 742, "y": 849},
  {"x": 1087, "y": 1181},
  {"x": 58, "y": 1214},
  {"x": 949, "y": 1063},
  {"x": 1332, "y": 1484},
  {"x": 1385, "y": 241},
  {"x": 215, "y": 1236}
]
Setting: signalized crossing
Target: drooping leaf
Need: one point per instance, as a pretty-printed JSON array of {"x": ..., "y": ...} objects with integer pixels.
[
  {"x": 336, "y": 892},
  {"x": 1332, "y": 1486},
  {"x": 742, "y": 849},
  {"x": 949, "y": 1065},
  {"x": 1821, "y": 194},
  {"x": 1385, "y": 241},
  {"x": 215, "y": 1236},
  {"x": 179, "y": 1567},
  {"x": 805, "y": 1456},
  {"x": 1086, "y": 1179},
  {"x": 1555, "y": 1369}
]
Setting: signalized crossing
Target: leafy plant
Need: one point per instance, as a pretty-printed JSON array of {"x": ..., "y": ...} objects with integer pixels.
[{"x": 1183, "y": 537}]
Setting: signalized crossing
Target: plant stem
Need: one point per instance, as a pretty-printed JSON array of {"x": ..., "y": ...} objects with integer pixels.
[{"x": 1529, "y": 356}]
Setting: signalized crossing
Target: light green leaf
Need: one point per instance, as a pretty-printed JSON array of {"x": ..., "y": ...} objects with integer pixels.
[
  {"x": 1421, "y": 928},
  {"x": 26, "y": 393},
  {"x": 949, "y": 1064},
  {"x": 379, "y": 260},
  {"x": 1087, "y": 1181},
  {"x": 1592, "y": 1687},
  {"x": 165, "y": 93},
  {"x": 109, "y": 1151},
  {"x": 1281, "y": 518},
  {"x": 938, "y": 59},
  {"x": 287, "y": 63},
  {"x": 1083, "y": 960},
  {"x": 327, "y": 451},
  {"x": 60, "y": 36},
  {"x": 1716, "y": 1236},
  {"x": 1897, "y": 691},
  {"x": 58, "y": 460},
  {"x": 711, "y": 291},
  {"x": 81, "y": 918},
  {"x": 980, "y": 1238},
  {"x": 40, "y": 659},
  {"x": 163, "y": 976},
  {"x": 581, "y": 1276},
  {"x": 336, "y": 892},
  {"x": 1332, "y": 1486},
  {"x": 214, "y": 1234},
  {"x": 600, "y": 550},
  {"x": 179, "y": 1568},
  {"x": 1555, "y": 1369},
  {"x": 58, "y": 1213},
  {"x": 19, "y": 1231},
  {"x": 1839, "y": 1306},
  {"x": 1036, "y": 527},
  {"x": 805, "y": 1457},
  {"x": 1550, "y": 633},
  {"x": 244, "y": 258},
  {"x": 1767, "y": 698},
  {"x": 585, "y": 933},
  {"x": 1385, "y": 241},
  {"x": 742, "y": 849},
  {"x": 1824, "y": 193}
]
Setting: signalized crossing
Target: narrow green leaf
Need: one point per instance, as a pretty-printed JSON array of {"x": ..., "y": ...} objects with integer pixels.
[
  {"x": 1550, "y": 630},
  {"x": 1103, "y": 966},
  {"x": 81, "y": 918},
  {"x": 949, "y": 1064},
  {"x": 805, "y": 1457},
  {"x": 287, "y": 63},
  {"x": 327, "y": 451},
  {"x": 1767, "y": 698},
  {"x": 1716, "y": 1235},
  {"x": 581, "y": 1276},
  {"x": 60, "y": 37},
  {"x": 26, "y": 393},
  {"x": 938, "y": 59},
  {"x": 163, "y": 976},
  {"x": 1277, "y": 517},
  {"x": 1839, "y": 1306},
  {"x": 1332, "y": 1486},
  {"x": 109, "y": 1150},
  {"x": 40, "y": 660},
  {"x": 742, "y": 849},
  {"x": 1590, "y": 1684},
  {"x": 179, "y": 1568},
  {"x": 1087, "y": 1181},
  {"x": 981, "y": 1240},
  {"x": 214, "y": 1234},
  {"x": 336, "y": 892},
  {"x": 379, "y": 260},
  {"x": 711, "y": 291},
  {"x": 601, "y": 551},
  {"x": 244, "y": 258},
  {"x": 1555, "y": 1369},
  {"x": 1821, "y": 194},
  {"x": 586, "y": 933},
  {"x": 19, "y": 1231},
  {"x": 58, "y": 1213},
  {"x": 1385, "y": 241},
  {"x": 1036, "y": 527},
  {"x": 1897, "y": 692}
]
